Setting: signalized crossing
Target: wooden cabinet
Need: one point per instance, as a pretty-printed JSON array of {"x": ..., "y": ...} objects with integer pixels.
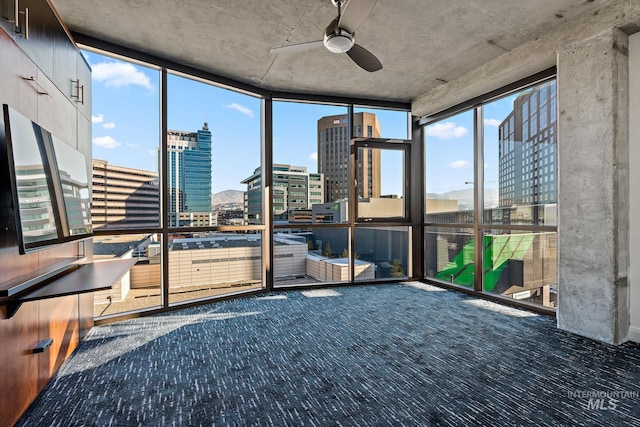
[
  {"x": 39, "y": 78},
  {"x": 56, "y": 113},
  {"x": 83, "y": 75},
  {"x": 7, "y": 16},
  {"x": 35, "y": 32},
  {"x": 65, "y": 64},
  {"x": 85, "y": 314},
  {"x": 58, "y": 321},
  {"x": 65, "y": 320},
  {"x": 45, "y": 40},
  {"x": 31, "y": 23},
  {"x": 18, "y": 385},
  {"x": 21, "y": 94}
]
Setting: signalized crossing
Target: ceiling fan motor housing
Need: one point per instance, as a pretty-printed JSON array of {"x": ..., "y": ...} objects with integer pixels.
[{"x": 338, "y": 40}]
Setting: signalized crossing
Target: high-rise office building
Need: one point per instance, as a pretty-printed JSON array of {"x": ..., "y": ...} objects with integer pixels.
[
  {"x": 527, "y": 149},
  {"x": 333, "y": 155},
  {"x": 189, "y": 176},
  {"x": 294, "y": 192},
  {"x": 124, "y": 197}
]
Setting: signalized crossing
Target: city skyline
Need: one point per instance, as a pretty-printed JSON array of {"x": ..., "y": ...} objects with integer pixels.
[{"x": 126, "y": 128}]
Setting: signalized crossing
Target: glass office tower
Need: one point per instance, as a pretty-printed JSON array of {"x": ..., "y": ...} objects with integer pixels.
[{"x": 189, "y": 177}]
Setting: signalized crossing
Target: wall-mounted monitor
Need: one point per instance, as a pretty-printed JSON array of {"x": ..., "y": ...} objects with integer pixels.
[{"x": 49, "y": 184}]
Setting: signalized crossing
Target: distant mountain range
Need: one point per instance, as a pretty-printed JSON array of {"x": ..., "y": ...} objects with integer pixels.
[
  {"x": 465, "y": 197},
  {"x": 228, "y": 199}
]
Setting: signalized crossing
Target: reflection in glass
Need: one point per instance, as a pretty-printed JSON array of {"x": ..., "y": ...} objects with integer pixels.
[
  {"x": 72, "y": 170},
  {"x": 310, "y": 256},
  {"x": 382, "y": 253},
  {"x": 450, "y": 255},
  {"x": 141, "y": 287},
  {"x": 207, "y": 264},
  {"x": 37, "y": 215},
  {"x": 522, "y": 265}
]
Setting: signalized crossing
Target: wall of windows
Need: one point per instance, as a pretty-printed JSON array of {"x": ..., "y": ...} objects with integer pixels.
[
  {"x": 490, "y": 204},
  {"x": 206, "y": 219},
  {"x": 311, "y": 191},
  {"x": 213, "y": 148},
  {"x": 164, "y": 139},
  {"x": 381, "y": 234},
  {"x": 491, "y": 197},
  {"x": 183, "y": 160},
  {"x": 126, "y": 138},
  {"x": 140, "y": 288}
]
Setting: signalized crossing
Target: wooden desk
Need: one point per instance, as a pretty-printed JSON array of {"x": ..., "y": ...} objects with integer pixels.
[{"x": 79, "y": 279}]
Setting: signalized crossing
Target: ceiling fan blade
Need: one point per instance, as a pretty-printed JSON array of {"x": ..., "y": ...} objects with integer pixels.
[
  {"x": 354, "y": 14},
  {"x": 298, "y": 47},
  {"x": 365, "y": 59}
]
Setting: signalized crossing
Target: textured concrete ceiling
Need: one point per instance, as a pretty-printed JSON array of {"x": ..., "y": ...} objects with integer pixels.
[{"x": 421, "y": 43}]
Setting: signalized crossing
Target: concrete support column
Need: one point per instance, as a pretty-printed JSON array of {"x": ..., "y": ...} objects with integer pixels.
[
  {"x": 593, "y": 193},
  {"x": 634, "y": 186}
]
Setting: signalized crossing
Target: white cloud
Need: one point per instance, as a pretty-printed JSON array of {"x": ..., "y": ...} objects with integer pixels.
[
  {"x": 448, "y": 130},
  {"x": 460, "y": 164},
  {"x": 106, "y": 142},
  {"x": 486, "y": 165},
  {"x": 118, "y": 74},
  {"x": 98, "y": 118},
  {"x": 109, "y": 125},
  {"x": 152, "y": 152},
  {"x": 133, "y": 145},
  {"x": 244, "y": 110},
  {"x": 314, "y": 155},
  {"x": 492, "y": 122}
]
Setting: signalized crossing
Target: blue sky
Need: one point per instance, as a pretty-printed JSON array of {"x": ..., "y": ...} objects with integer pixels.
[
  {"x": 126, "y": 130},
  {"x": 449, "y": 149}
]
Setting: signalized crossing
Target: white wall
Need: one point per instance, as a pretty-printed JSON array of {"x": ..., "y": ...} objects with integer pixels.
[{"x": 634, "y": 185}]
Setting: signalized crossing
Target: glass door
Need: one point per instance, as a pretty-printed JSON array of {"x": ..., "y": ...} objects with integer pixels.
[{"x": 380, "y": 191}]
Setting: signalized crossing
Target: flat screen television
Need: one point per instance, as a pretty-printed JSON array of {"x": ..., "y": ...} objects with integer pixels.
[{"x": 49, "y": 184}]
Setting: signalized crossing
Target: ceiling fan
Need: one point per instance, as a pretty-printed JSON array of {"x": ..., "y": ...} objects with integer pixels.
[{"x": 339, "y": 36}]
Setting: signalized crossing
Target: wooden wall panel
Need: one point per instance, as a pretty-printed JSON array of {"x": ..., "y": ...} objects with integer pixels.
[
  {"x": 58, "y": 320},
  {"x": 85, "y": 314},
  {"x": 18, "y": 384},
  {"x": 64, "y": 319}
]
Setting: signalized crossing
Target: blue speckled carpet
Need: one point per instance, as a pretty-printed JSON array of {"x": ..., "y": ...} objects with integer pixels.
[{"x": 380, "y": 355}]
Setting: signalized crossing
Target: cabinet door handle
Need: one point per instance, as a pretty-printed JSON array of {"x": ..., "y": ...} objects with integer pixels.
[
  {"x": 79, "y": 91},
  {"x": 41, "y": 89},
  {"x": 26, "y": 23},
  {"x": 43, "y": 345},
  {"x": 19, "y": 12}
]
